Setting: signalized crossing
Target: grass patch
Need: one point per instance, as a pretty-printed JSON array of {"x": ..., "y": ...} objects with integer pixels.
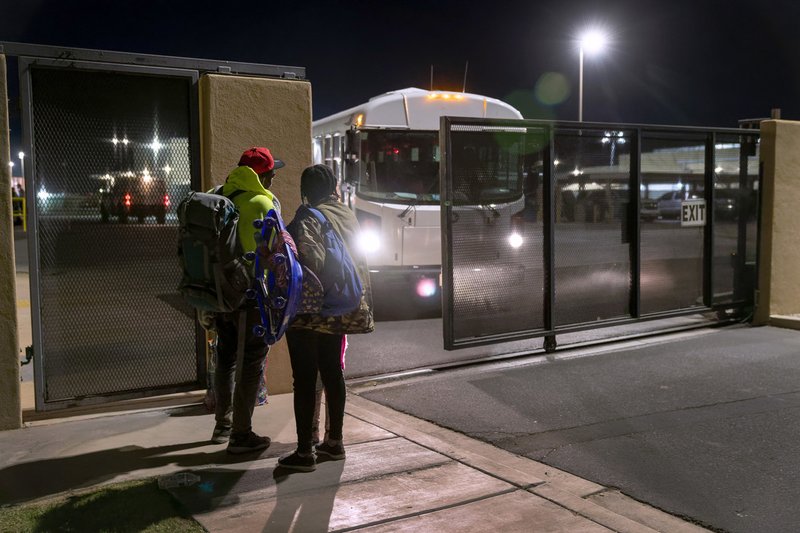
[{"x": 123, "y": 507}]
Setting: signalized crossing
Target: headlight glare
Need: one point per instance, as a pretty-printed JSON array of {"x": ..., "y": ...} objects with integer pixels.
[{"x": 369, "y": 241}]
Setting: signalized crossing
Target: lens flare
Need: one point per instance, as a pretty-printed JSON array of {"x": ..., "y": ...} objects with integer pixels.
[
  {"x": 552, "y": 88},
  {"x": 426, "y": 287}
]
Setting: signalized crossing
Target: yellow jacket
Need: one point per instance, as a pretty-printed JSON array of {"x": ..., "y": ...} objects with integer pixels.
[{"x": 253, "y": 204}]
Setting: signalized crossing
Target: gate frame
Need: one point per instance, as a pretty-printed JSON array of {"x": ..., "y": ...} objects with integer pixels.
[
  {"x": 191, "y": 69},
  {"x": 550, "y": 331},
  {"x": 26, "y": 98}
]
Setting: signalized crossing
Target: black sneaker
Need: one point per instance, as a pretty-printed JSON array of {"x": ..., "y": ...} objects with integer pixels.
[
  {"x": 335, "y": 452},
  {"x": 247, "y": 443},
  {"x": 221, "y": 434},
  {"x": 301, "y": 463}
]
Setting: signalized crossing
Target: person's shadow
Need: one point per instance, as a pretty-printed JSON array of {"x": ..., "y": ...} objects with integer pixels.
[
  {"x": 304, "y": 501},
  {"x": 285, "y": 501},
  {"x": 35, "y": 479}
]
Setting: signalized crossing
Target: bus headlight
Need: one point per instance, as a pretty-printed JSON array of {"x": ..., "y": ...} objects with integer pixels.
[
  {"x": 515, "y": 240},
  {"x": 517, "y": 229},
  {"x": 369, "y": 241}
]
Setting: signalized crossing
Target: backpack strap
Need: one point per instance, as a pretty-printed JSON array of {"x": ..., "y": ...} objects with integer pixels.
[
  {"x": 231, "y": 196},
  {"x": 316, "y": 213},
  {"x": 234, "y": 194}
]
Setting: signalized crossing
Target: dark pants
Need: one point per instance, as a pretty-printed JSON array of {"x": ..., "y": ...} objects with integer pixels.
[
  {"x": 312, "y": 352},
  {"x": 235, "y": 404}
]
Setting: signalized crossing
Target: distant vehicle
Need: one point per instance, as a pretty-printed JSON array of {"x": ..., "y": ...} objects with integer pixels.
[
  {"x": 669, "y": 204},
  {"x": 140, "y": 197},
  {"x": 648, "y": 210},
  {"x": 386, "y": 155}
]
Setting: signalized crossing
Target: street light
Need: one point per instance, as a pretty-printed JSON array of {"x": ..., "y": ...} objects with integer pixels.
[
  {"x": 591, "y": 42},
  {"x": 21, "y": 156},
  {"x": 613, "y": 138}
]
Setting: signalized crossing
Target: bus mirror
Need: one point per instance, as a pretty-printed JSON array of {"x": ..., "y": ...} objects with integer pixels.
[
  {"x": 351, "y": 170},
  {"x": 351, "y": 146},
  {"x": 351, "y": 158}
]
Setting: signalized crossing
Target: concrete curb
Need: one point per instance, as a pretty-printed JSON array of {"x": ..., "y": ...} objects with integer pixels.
[{"x": 599, "y": 504}]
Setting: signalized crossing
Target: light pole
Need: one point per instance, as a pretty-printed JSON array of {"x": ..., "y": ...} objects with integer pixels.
[
  {"x": 22, "y": 163},
  {"x": 591, "y": 42}
]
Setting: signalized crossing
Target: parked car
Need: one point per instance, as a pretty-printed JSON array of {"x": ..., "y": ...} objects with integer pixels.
[
  {"x": 648, "y": 209},
  {"x": 669, "y": 204},
  {"x": 135, "y": 197}
]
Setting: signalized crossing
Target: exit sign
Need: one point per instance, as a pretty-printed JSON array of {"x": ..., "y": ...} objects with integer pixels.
[{"x": 693, "y": 212}]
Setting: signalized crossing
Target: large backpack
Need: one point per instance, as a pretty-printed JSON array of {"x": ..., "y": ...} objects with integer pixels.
[
  {"x": 340, "y": 281},
  {"x": 215, "y": 274}
]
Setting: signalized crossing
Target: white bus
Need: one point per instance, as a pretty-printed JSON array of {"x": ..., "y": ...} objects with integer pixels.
[{"x": 386, "y": 155}]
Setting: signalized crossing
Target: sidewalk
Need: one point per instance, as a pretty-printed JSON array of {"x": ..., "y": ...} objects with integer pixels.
[{"x": 401, "y": 474}]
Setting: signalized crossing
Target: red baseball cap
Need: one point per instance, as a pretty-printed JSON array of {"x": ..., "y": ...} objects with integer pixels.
[{"x": 260, "y": 160}]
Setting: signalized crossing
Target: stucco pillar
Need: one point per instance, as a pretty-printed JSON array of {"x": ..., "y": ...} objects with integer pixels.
[
  {"x": 10, "y": 408},
  {"x": 239, "y": 112},
  {"x": 778, "y": 300}
]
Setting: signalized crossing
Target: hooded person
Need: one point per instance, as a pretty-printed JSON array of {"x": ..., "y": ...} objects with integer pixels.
[
  {"x": 253, "y": 177},
  {"x": 317, "y": 343},
  {"x": 236, "y": 392}
]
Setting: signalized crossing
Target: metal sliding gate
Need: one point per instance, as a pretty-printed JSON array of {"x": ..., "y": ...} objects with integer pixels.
[
  {"x": 113, "y": 140},
  {"x": 551, "y": 228}
]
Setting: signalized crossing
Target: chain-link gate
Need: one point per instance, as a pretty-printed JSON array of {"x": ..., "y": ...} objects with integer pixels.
[
  {"x": 556, "y": 227},
  {"x": 111, "y": 154},
  {"x": 113, "y": 144}
]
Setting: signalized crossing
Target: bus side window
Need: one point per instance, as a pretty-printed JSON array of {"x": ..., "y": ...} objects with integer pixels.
[
  {"x": 317, "y": 150},
  {"x": 327, "y": 151},
  {"x": 337, "y": 156}
]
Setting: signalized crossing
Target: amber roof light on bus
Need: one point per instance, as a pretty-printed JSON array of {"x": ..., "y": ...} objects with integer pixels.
[{"x": 445, "y": 96}]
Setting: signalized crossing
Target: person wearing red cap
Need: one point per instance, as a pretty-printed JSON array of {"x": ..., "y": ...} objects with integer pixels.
[{"x": 236, "y": 392}]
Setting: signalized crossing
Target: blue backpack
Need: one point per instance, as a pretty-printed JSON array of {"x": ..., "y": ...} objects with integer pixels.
[{"x": 340, "y": 281}]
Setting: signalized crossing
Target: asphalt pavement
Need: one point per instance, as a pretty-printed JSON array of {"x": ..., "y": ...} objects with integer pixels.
[{"x": 701, "y": 424}]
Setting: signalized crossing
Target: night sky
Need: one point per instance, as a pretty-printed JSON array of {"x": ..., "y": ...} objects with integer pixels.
[{"x": 698, "y": 63}]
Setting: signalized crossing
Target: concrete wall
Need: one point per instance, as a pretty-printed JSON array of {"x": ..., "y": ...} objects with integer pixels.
[
  {"x": 779, "y": 257},
  {"x": 10, "y": 407},
  {"x": 239, "y": 112}
]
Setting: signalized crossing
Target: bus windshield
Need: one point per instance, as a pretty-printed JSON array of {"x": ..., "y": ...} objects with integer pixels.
[
  {"x": 403, "y": 166},
  {"x": 400, "y": 166}
]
